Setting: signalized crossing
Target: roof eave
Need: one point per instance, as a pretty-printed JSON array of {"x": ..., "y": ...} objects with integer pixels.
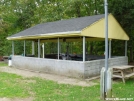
[{"x": 47, "y": 35}]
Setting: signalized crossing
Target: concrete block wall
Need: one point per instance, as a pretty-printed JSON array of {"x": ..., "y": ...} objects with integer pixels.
[
  {"x": 76, "y": 69},
  {"x": 60, "y": 67},
  {"x": 93, "y": 68}
]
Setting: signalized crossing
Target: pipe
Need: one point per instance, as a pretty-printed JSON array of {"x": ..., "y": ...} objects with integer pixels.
[
  {"x": 106, "y": 43},
  {"x": 83, "y": 48}
]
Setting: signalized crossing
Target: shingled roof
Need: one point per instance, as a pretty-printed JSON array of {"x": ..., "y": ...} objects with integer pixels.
[{"x": 69, "y": 27}]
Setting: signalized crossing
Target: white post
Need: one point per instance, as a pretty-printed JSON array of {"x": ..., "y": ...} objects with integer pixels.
[
  {"x": 110, "y": 48},
  {"x": 33, "y": 52},
  {"x": 24, "y": 48},
  {"x": 12, "y": 47},
  {"x": 38, "y": 48},
  {"x": 58, "y": 48},
  {"x": 109, "y": 85},
  {"x": 125, "y": 48},
  {"x": 83, "y": 48},
  {"x": 43, "y": 50},
  {"x": 102, "y": 83}
]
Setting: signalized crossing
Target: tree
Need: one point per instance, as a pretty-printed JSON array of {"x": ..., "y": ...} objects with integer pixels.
[
  {"x": 18, "y": 15},
  {"x": 123, "y": 10}
]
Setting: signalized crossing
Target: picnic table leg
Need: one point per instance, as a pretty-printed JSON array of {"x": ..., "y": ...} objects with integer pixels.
[{"x": 122, "y": 74}]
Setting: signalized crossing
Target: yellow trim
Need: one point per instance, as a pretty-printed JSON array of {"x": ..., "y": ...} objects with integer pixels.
[
  {"x": 115, "y": 31},
  {"x": 45, "y": 36}
]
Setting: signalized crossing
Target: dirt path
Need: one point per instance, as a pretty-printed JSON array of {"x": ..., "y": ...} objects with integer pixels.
[{"x": 58, "y": 78}]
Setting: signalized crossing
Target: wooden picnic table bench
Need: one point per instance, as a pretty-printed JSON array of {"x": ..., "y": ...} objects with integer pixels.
[{"x": 123, "y": 71}]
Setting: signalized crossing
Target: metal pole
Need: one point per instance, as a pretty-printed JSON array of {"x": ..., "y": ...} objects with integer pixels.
[
  {"x": 125, "y": 48},
  {"x": 110, "y": 48},
  {"x": 33, "y": 52},
  {"x": 106, "y": 43},
  {"x": 43, "y": 50},
  {"x": 58, "y": 48},
  {"x": 83, "y": 48},
  {"x": 12, "y": 47},
  {"x": 24, "y": 48},
  {"x": 38, "y": 48}
]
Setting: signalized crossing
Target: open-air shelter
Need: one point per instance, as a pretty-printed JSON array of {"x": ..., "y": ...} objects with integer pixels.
[{"x": 90, "y": 28}]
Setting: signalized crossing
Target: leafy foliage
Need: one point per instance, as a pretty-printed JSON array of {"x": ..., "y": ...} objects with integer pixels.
[
  {"x": 123, "y": 10},
  {"x": 18, "y": 15}
]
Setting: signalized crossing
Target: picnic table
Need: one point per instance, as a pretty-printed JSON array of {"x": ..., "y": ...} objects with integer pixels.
[{"x": 123, "y": 71}]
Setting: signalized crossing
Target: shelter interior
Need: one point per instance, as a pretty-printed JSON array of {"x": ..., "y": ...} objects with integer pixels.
[{"x": 70, "y": 48}]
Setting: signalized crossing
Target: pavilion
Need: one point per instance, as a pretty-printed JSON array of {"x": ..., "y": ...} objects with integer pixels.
[{"x": 83, "y": 29}]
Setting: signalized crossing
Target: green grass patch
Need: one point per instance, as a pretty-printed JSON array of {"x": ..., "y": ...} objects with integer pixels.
[
  {"x": 124, "y": 90},
  {"x": 13, "y": 86},
  {"x": 3, "y": 64},
  {"x": 51, "y": 91}
]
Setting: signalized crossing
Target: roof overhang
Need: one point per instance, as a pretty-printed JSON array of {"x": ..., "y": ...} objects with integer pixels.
[{"x": 48, "y": 35}]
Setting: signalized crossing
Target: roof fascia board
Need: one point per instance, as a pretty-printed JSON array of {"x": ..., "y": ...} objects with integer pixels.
[{"x": 49, "y": 35}]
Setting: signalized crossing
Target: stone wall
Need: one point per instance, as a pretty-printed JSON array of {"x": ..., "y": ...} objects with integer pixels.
[
  {"x": 70, "y": 68},
  {"x": 60, "y": 67},
  {"x": 93, "y": 68}
]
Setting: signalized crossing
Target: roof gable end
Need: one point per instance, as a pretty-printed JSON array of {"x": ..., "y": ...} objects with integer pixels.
[{"x": 115, "y": 31}]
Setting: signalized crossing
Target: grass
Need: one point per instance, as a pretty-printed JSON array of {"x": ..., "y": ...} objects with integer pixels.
[
  {"x": 3, "y": 64},
  {"x": 14, "y": 86},
  {"x": 122, "y": 90},
  {"x": 11, "y": 86},
  {"x": 51, "y": 91}
]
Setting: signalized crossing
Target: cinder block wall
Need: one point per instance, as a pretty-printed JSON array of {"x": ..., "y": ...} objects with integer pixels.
[
  {"x": 93, "y": 68},
  {"x": 76, "y": 69},
  {"x": 60, "y": 67}
]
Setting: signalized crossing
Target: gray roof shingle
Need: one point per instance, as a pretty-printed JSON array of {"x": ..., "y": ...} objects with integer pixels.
[{"x": 74, "y": 24}]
